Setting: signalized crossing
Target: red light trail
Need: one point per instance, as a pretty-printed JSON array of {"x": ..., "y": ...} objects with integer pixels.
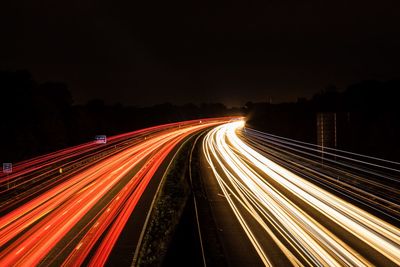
[{"x": 89, "y": 207}]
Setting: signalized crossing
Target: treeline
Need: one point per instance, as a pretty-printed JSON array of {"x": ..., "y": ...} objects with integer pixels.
[
  {"x": 38, "y": 118},
  {"x": 368, "y": 117}
]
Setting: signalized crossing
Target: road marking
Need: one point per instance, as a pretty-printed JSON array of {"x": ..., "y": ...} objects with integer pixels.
[
  {"x": 138, "y": 246},
  {"x": 194, "y": 201}
]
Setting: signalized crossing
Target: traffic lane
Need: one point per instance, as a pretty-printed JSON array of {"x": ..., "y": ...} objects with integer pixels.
[
  {"x": 58, "y": 221},
  {"x": 71, "y": 240},
  {"x": 45, "y": 181},
  {"x": 130, "y": 202},
  {"x": 156, "y": 153},
  {"x": 243, "y": 174},
  {"x": 349, "y": 238},
  {"x": 123, "y": 251},
  {"x": 337, "y": 169},
  {"x": 236, "y": 245},
  {"x": 326, "y": 205},
  {"x": 337, "y": 183},
  {"x": 38, "y": 163},
  {"x": 41, "y": 168},
  {"x": 72, "y": 200},
  {"x": 51, "y": 200}
]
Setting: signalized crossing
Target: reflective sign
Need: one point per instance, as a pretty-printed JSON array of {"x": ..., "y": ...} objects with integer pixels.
[
  {"x": 100, "y": 139},
  {"x": 7, "y": 167}
]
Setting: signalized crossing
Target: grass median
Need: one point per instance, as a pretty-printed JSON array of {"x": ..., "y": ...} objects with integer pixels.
[{"x": 167, "y": 210}]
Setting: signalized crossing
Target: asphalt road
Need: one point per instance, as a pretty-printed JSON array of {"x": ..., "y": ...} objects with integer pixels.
[
  {"x": 264, "y": 211},
  {"x": 125, "y": 248},
  {"x": 94, "y": 216},
  {"x": 236, "y": 246}
]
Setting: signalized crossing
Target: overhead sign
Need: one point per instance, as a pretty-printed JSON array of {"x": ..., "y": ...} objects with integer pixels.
[
  {"x": 100, "y": 139},
  {"x": 7, "y": 167}
]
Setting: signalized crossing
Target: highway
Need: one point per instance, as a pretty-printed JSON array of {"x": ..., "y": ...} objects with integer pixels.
[
  {"x": 292, "y": 203},
  {"x": 69, "y": 207},
  {"x": 274, "y": 201}
]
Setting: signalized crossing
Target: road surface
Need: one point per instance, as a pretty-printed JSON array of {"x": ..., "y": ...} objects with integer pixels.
[
  {"x": 290, "y": 211},
  {"x": 70, "y": 207}
]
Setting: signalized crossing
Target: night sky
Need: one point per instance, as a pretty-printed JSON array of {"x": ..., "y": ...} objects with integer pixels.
[{"x": 145, "y": 52}]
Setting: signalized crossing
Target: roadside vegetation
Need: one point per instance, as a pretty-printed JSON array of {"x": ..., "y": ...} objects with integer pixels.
[{"x": 167, "y": 211}]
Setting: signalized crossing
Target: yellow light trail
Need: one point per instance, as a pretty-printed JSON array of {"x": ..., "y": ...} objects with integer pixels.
[{"x": 247, "y": 180}]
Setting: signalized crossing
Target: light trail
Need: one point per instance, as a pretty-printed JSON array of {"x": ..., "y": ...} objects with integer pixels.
[
  {"x": 310, "y": 225},
  {"x": 90, "y": 206},
  {"x": 369, "y": 187}
]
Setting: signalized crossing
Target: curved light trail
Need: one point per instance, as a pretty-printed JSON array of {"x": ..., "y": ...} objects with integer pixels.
[
  {"x": 85, "y": 210},
  {"x": 309, "y": 224},
  {"x": 317, "y": 214}
]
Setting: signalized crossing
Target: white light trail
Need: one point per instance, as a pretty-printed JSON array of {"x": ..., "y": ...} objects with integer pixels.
[{"x": 257, "y": 187}]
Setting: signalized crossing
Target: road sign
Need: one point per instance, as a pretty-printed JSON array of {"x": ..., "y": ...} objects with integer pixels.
[
  {"x": 100, "y": 139},
  {"x": 7, "y": 167}
]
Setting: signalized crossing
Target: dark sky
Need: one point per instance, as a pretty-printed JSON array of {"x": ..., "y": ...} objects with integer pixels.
[{"x": 145, "y": 52}]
